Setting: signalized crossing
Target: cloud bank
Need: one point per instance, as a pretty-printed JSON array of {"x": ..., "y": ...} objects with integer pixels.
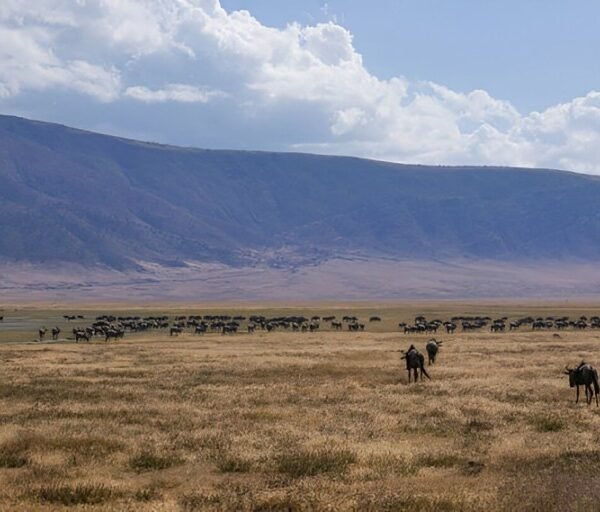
[{"x": 216, "y": 78}]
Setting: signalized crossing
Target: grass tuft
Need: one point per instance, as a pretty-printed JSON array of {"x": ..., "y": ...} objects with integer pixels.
[
  {"x": 406, "y": 502},
  {"x": 386, "y": 465},
  {"x": 147, "y": 494},
  {"x": 150, "y": 461},
  {"x": 310, "y": 462},
  {"x": 79, "y": 494},
  {"x": 234, "y": 464},
  {"x": 548, "y": 424},
  {"x": 12, "y": 454},
  {"x": 441, "y": 460}
]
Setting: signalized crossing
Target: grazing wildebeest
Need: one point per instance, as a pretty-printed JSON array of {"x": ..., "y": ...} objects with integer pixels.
[
  {"x": 55, "y": 333},
  {"x": 175, "y": 331},
  {"x": 80, "y": 334},
  {"x": 433, "y": 346},
  {"x": 584, "y": 375},
  {"x": 415, "y": 362},
  {"x": 112, "y": 333},
  {"x": 42, "y": 333}
]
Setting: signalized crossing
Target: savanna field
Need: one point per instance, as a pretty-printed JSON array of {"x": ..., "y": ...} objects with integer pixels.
[{"x": 296, "y": 421}]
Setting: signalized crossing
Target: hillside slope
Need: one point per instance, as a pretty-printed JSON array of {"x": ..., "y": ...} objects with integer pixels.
[{"x": 73, "y": 196}]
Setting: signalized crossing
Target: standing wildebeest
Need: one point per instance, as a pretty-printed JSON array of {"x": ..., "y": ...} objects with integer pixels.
[
  {"x": 81, "y": 334},
  {"x": 42, "y": 333},
  {"x": 55, "y": 333},
  {"x": 433, "y": 347},
  {"x": 584, "y": 375},
  {"x": 112, "y": 333},
  {"x": 415, "y": 362},
  {"x": 450, "y": 327},
  {"x": 175, "y": 331}
]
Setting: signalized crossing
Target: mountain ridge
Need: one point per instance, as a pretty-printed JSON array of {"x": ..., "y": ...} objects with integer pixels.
[{"x": 74, "y": 196}]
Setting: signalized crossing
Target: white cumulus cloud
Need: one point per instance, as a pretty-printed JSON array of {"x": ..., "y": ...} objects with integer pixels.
[
  {"x": 173, "y": 92},
  {"x": 300, "y": 87}
]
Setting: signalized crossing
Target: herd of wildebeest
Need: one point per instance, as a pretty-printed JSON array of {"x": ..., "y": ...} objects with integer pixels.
[{"x": 111, "y": 327}]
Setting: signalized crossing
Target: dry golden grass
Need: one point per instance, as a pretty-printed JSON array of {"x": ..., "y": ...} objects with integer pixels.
[{"x": 284, "y": 421}]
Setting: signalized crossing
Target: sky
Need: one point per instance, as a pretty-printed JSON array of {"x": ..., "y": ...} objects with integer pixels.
[{"x": 418, "y": 81}]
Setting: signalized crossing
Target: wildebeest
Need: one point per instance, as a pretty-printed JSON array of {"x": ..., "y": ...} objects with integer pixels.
[
  {"x": 433, "y": 346},
  {"x": 42, "y": 333},
  {"x": 1, "y": 319},
  {"x": 415, "y": 362},
  {"x": 450, "y": 327},
  {"x": 81, "y": 334},
  {"x": 112, "y": 333},
  {"x": 55, "y": 333},
  {"x": 175, "y": 331},
  {"x": 584, "y": 375}
]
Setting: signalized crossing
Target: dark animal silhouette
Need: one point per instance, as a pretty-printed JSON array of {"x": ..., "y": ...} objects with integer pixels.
[
  {"x": 175, "y": 331},
  {"x": 433, "y": 347},
  {"x": 584, "y": 375},
  {"x": 112, "y": 333},
  {"x": 42, "y": 332},
  {"x": 450, "y": 327},
  {"x": 81, "y": 334},
  {"x": 55, "y": 333},
  {"x": 415, "y": 363}
]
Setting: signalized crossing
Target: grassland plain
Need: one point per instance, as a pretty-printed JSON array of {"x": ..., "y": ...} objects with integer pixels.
[{"x": 296, "y": 421}]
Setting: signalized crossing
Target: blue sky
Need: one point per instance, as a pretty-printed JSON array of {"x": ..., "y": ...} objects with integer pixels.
[
  {"x": 436, "y": 82},
  {"x": 535, "y": 54}
]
